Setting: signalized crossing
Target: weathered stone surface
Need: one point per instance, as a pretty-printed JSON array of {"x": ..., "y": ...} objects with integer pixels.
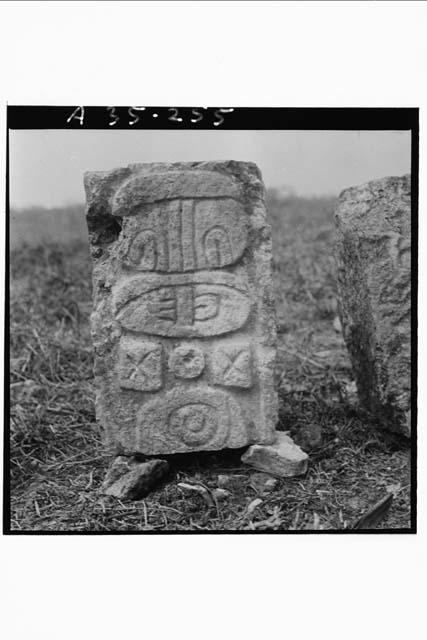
[
  {"x": 282, "y": 458},
  {"x": 128, "y": 479},
  {"x": 373, "y": 253},
  {"x": 183, "y": 320}
]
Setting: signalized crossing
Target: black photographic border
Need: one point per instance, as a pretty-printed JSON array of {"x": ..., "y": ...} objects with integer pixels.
[{"x": 219, "y": 118}]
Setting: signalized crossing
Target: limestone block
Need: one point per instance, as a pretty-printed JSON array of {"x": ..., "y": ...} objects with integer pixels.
[
  {"x": 282, "y": 458},
  {"x": 183, "y": 320},
  {"x": 373, "y": 254}
]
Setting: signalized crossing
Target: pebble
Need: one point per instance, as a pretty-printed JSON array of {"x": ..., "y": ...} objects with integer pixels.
[{"x": 283, "y": 458}]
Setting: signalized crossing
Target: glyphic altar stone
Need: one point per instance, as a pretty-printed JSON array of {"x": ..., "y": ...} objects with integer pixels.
[
  {"x": 183, "y": 319},
  {"x": 373, "y": 252}
]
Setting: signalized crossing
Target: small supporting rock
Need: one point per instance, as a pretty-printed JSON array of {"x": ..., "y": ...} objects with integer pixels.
[
  {"x": 283, "y": 458},
  {"x": 129, "y": 479}
]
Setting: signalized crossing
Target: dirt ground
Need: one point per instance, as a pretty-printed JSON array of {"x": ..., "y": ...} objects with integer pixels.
[{"x": 57, "y": 458}]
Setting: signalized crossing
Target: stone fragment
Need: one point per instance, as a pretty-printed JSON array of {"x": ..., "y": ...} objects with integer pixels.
[
  {"x": 232, "y": 481},
  {"x": 254, "y": 504},
  {"x": 263, "y": 482},
  {"x": 183, "y": 319},
  {"x": 271, "y": 484},
  {"x": 283, "y": 458},
  {"x": 337, "y": 324},
  {"x": 131, "y": 480},
  {"x": 373, "y": 254},
  {"x": 199, "y": 489},
  {"x": 220, "y": 494},
  {"x": 119, "y": 466}
]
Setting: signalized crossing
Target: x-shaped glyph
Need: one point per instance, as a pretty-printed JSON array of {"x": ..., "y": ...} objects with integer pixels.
[
  {"x": 237, "y": 363},
  {"x": 136, "y": 363}
]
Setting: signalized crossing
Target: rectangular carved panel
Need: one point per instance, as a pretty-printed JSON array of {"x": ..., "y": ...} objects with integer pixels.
[{"x": 183, "y": 317}]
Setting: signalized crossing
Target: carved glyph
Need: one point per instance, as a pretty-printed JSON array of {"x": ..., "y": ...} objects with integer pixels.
[
  {"x": 186, "y": 311},
  {"x": 187, "y": 361},
  {"x": 232, "y": 367},
  {"x": 199, "y": 418},
  {"x": 140, "y": 365},
  {"x": 187, "y": 235}
]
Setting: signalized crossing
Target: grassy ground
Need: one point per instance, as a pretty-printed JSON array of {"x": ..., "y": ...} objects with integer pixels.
[{"x": 57, "y": 458}]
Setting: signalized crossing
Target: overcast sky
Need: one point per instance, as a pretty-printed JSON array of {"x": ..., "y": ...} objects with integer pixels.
[{"x": 46, "y": 167}]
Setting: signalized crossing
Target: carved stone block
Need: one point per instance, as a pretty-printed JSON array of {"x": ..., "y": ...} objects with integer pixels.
[
  {"x": 373, "y": 253},
  {"x": 183, "y": 321}
]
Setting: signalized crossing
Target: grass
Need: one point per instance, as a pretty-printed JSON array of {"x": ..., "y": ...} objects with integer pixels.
[{"x": 57, "y": 457}]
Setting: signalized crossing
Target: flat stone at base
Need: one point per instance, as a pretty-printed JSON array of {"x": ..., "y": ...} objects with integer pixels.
[
  {"x": 131, "y": 480},
  {"x": 282, "y": 458}
]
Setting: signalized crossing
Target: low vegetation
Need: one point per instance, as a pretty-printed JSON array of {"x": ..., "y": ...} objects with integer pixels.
[{"x": 57, "y": 457}]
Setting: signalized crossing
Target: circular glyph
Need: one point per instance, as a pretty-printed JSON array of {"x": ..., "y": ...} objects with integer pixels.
[{"x": 186, "y": 362}]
